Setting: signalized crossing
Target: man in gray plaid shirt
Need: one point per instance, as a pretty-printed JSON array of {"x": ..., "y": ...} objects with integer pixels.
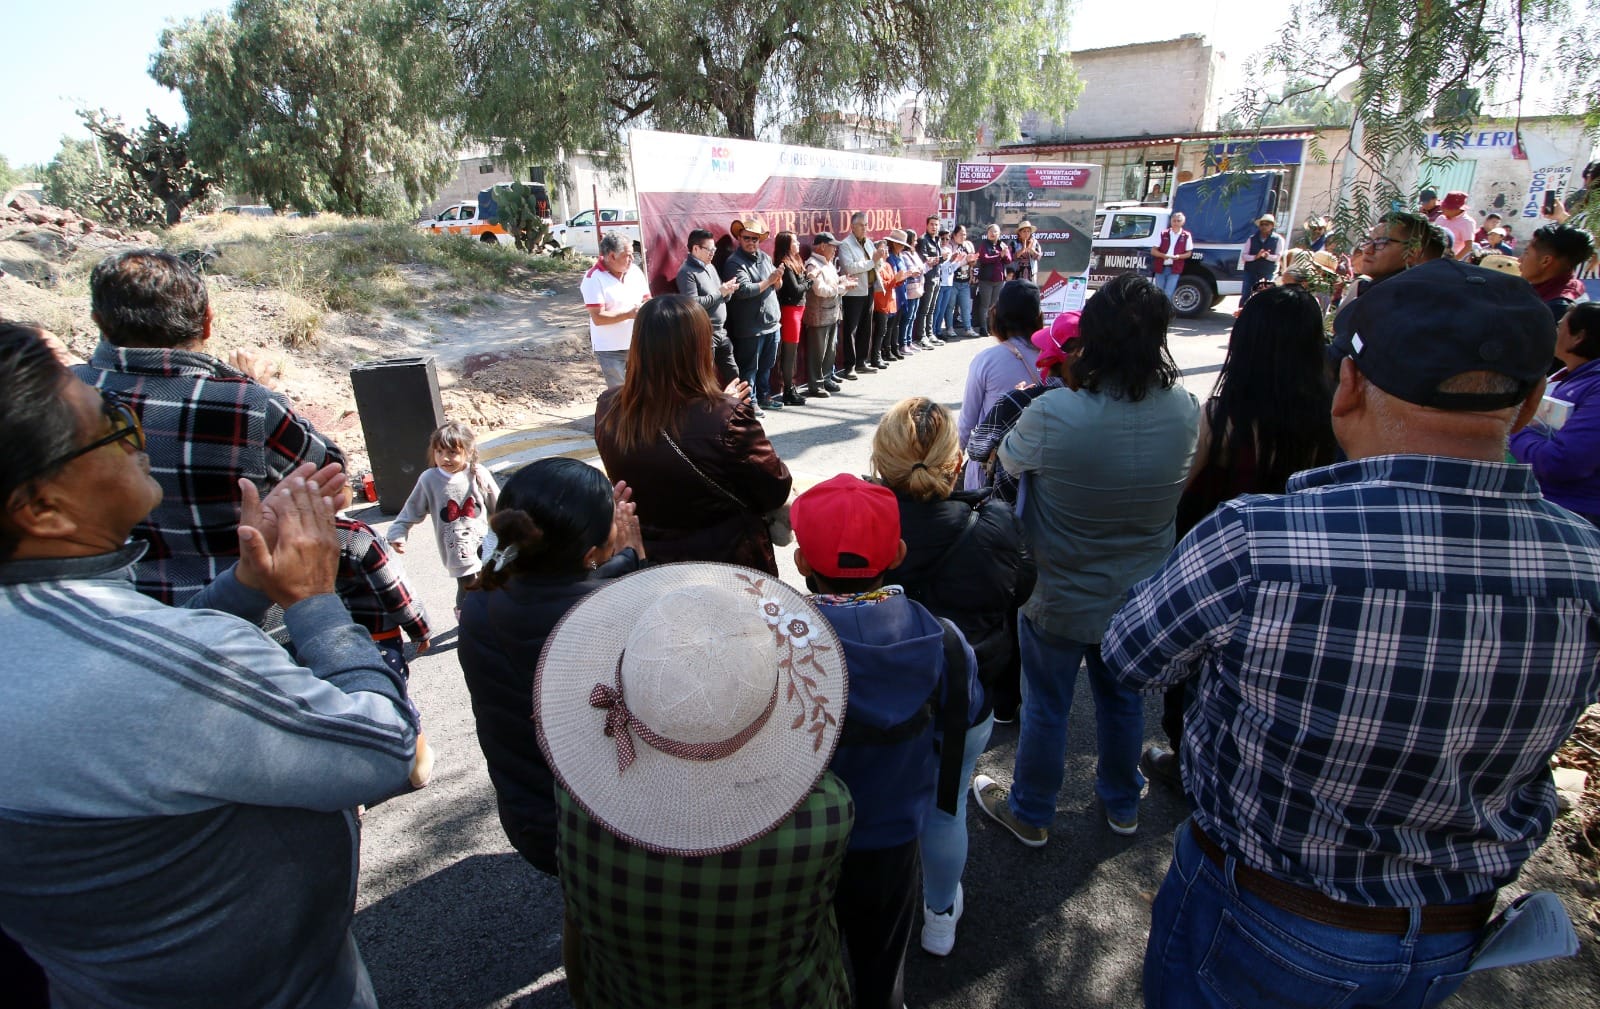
[
  {"x": 1383, "y": 660},
  {"x": 208, "y": 424}
]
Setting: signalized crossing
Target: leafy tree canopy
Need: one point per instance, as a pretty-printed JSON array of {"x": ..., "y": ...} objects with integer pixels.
[
  {"x": 1298, "y": 102},
  {"x": 1416, "y": 66},
  {"x": 10, "y": 176},
  {"x": 304, "y": 103},
  {"x": 71, "y": 177},
  {"x": 540, "y": 76},
  {"x": 154, "y": 160}
]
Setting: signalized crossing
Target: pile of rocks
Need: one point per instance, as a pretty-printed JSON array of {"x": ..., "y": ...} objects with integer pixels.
[{"x": 54, "y": 233}]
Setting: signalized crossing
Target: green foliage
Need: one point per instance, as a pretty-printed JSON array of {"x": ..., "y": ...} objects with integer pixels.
[
  {"x": 1412, "y": 62},
  {"x": 542, "y": 76},
  {"x": 157, "y": 181},
  {"x": 1299, "y": 102},
  {"x": 518, "y": 213},
  {"x": 304, "y": 102},
  {"x": 17, "y": 176},
  {"x": 73, "y": 176}
]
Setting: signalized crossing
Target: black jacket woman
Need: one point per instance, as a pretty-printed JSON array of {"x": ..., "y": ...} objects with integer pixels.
[{"x": 559, "y": 531}]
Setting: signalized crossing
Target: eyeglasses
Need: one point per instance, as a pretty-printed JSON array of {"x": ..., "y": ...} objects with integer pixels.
[
  {"x": 125, "y": 426},
  {"x": 1374, "y": 244}
]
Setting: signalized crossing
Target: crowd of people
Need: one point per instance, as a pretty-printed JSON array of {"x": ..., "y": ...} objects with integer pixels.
[{"x": 1364, "y": 576}]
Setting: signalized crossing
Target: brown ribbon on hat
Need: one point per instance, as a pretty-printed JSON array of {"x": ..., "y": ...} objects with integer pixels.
[{"x": 622, "y": 725}]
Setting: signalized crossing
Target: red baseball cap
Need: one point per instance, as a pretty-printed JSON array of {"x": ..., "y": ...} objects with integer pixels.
[{"x": 847, "y": 527}]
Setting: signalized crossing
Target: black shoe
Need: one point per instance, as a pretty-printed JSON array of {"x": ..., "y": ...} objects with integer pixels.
[
  {"x": 849, "y": 376},
  {"x": 792, "y": 398},
  {"x": 830, "y": 386},
  {"x": 1161, "y": 764},
  {"x": 771, "y": 404},
  {"x": 817, "y": 392},
  {"x": 880, "y": 365},
  {"x": 866, "y": 369}
]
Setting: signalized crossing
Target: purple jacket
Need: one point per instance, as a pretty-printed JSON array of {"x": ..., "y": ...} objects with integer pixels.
[
  {"x": 1567, "y": 462},
  {"x": 992, "y": 260}
]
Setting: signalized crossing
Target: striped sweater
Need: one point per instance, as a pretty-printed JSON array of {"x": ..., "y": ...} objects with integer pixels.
[{"x": 177, "y": 805}]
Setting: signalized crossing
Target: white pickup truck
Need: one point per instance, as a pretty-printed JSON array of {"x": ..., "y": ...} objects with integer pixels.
[{"x": 579, "y": 235}]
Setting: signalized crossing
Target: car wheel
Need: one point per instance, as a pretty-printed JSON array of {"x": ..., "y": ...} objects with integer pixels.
[
  {"x": 1192, "y": 296},
  {"x": 488, "y": 236}
]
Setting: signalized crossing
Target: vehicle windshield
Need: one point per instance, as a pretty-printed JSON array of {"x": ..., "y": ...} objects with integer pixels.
[
  {"x": 583, "y": 220},
  {"x": 1133, "y": 225},
  {"x": 449, "y": 215}
]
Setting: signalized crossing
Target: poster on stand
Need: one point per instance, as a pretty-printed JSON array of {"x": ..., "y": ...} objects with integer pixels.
[
  {"x": 1057, "y": 198},
  {"x": 685, "y": 182}
]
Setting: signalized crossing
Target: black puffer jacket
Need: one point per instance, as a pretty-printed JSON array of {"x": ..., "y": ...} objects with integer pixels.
[
  {"x": 982, "y": 583},
  {"x": 502, "y": 633}
]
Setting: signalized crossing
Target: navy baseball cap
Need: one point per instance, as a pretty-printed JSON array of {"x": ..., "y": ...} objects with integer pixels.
[{"x": 1444, "y": 318}]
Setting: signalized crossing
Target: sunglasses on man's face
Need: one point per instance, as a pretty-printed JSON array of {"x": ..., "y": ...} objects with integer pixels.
[{"x": 125, "y": 426}]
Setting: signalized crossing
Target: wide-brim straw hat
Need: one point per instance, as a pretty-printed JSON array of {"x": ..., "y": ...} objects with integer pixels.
[
  {"x": 1266, "y": 219},
  {"x": 1327, "y": 260},
  {"x": 755, "y": 225},
  {"x": 896, "y": 239},
  {"x": 691, "y": 708}
]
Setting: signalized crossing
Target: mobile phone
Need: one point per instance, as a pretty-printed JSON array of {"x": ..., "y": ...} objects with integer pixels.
[{"x": 1549, "y": 201}]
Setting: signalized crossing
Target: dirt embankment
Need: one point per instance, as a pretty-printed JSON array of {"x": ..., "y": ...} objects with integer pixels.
[{"x": 506, "y": 351}]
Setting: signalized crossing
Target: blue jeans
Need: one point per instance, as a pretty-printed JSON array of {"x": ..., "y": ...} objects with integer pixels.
[
  {"x": 908, "y": 321},
  {"x": 941, "y": 311},
  {"x": 1213, "y": 946},
  {"x": 1168, "y": 282},
  {"x": 963, "y": 303},
  {"x": 756, "y": 355},
  {"x": 1049, "y": 674},
  {"x": 944, "y": 838}
]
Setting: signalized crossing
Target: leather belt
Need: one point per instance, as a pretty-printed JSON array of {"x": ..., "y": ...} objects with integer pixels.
[{"x": 1319, "y": 907}]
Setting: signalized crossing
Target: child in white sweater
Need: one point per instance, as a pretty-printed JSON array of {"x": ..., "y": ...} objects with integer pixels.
[{"x": 459, "y": 495}]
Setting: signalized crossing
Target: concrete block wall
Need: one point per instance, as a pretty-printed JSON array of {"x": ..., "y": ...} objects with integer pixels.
[{"x": 1150, "y": 87}]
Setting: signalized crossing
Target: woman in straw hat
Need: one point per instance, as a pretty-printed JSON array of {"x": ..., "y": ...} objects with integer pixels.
[
  {"x": 703, "y": 473},
  {"x": 559, "y": 529},
  {"x": 689, "y": 713}
]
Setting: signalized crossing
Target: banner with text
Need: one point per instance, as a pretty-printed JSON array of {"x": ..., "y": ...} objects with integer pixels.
[
  {"x": 685, "y": 182},
  {"x": 1057, "y": 198}
]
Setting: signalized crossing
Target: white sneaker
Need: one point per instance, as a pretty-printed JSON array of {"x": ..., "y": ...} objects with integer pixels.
[{"x": 939, "y": 930}]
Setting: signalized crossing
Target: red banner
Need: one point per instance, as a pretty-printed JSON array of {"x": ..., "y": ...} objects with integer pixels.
[{"x": 805, "y": 206}]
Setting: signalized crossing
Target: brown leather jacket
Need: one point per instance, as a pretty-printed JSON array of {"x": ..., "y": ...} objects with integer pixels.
[{"x": 681, "y": 516}]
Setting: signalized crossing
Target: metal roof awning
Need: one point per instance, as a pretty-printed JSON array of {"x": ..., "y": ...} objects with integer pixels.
[{"x": 1119, "y": 143}]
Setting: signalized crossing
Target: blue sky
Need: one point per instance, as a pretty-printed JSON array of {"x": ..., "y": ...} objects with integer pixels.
[{"x": 96, "y": 53}]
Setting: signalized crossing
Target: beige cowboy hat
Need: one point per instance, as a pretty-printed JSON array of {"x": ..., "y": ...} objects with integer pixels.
[
  {"x": 751, "y": 223},
  {"x": 1025, "y": 226},
  {"x": 690, "y": 708},
  {"x": 1501, "y": 263},
  {"x": 1266, "y": 219},
  {"x": 894, "y": 236},
  {"x": 1326, "y": 260}
]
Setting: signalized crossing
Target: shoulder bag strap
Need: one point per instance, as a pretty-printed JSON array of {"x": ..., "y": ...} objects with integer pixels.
[{"x": 701, "y": 474}]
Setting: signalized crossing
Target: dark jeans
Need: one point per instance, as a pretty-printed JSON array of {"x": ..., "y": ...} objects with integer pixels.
[
  {"x": 988, "y": 291},
  {"x": 855, "y": 336},
  {"x": 881, "y": 323},
  {"x": 820, "y": 351},
  {"x": 877, "y": 904}
]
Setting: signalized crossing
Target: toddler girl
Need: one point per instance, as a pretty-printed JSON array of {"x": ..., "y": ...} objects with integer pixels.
[{"x": 459, "y": 495}]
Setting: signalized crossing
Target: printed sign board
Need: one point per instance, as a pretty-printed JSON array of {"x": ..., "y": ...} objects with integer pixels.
[
  {"x": 686, "y": 182},
  {"x": 1057, "y": 199}
]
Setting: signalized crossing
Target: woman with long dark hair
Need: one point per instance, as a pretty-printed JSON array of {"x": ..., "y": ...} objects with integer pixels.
[
  {"x": 1563, "y": 445},
  {"x": 1010, "y": 363},
  {"x": 559, "y": 530},
  {"x": 792, "y": 308},
  {"x": 703, "y": 474},
  {"x": 1105, "y": 463},
  {"x": 1268, "y": 418}
]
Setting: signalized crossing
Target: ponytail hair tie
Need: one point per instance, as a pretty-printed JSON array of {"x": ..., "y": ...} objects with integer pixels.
[{"x": 919, "y": 465}]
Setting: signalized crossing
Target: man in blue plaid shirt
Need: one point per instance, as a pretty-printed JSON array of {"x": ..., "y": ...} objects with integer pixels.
[
  {"x": 1384, "y": 659},
  {"x": 208, "y": 424}
]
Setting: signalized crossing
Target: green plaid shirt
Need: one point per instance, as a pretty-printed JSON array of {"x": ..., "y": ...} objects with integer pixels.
[{"x": 752, "y": 927}]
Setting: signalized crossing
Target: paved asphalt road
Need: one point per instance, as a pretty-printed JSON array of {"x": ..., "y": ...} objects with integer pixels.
[{"x": 449, "y": 917}]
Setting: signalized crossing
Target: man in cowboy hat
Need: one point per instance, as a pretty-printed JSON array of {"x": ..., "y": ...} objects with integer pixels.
[
  {"x": 688, "y": 713},
  {"x": 1258, "y": 260},
  {"x": 753, "y": 316}
]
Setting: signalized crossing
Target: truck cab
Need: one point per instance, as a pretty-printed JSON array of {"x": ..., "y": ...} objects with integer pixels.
[
  {"x": 581, "y": 236},
  {"x": 1221, "y": 214},
  {"x": 462, "y": 219}
]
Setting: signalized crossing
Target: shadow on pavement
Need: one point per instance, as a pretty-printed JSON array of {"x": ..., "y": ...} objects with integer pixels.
[{"x": 466, "y": 936}]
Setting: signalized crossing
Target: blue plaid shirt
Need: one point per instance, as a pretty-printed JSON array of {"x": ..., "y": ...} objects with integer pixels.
[{"x": 1386, "y": 656}]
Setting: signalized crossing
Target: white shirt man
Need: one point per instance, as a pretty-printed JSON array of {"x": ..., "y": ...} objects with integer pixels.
[{"x": 613, "y": 290}]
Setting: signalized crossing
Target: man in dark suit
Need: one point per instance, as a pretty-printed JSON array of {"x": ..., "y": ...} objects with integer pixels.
[{"x": 698, "y": 279}]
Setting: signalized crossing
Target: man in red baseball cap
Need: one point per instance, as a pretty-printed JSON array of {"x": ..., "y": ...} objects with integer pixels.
[
  {"x": 1458, "y": 223},
  {"x": 913, "y": 679}
]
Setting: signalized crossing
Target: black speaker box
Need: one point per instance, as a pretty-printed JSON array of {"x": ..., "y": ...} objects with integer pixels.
[{"x": 399, "y": 405}]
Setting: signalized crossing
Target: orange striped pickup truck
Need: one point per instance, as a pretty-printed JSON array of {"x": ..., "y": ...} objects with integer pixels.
[{"x": 462, "y": 219}]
